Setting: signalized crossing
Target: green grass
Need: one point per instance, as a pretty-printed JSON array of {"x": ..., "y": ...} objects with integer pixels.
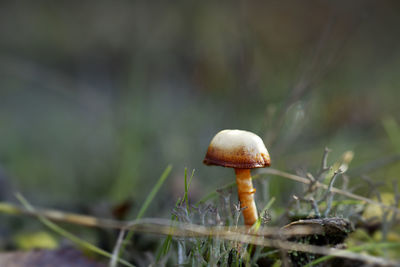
[
  {"x": 166, "y": 246},
  {"x": 214, "y": 249},
  {"x": 75, "y": 239},
  {"x": 147, "y": 203}
]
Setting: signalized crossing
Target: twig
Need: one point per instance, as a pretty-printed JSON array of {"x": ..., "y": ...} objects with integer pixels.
[
  {"x": 149, "y": 225},
  {"x": 304, "y": 181},
  {"x": 114, "y": 258},
  {"x": 55, "y": 215},
  {"x": 75, "y": 239},
  {"x": 329, "y": 194},
  {"x": 166, "y": 227},
  {"x": 334, "y": 189},
  {"x": 311, "y": 201},
  {"x": 324, "y": 164}
]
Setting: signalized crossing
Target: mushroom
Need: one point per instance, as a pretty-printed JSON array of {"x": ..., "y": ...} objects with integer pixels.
[{"x": 243, "y": 151}]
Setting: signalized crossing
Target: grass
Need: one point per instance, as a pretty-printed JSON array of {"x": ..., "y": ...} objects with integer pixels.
[
  {"x": 246, "y": 250},
  {"x": 85, "y": 244},
  {"x": 209, "y": 234},
  {"x": 78, "y": 241},
  {"x": 167, "y": 242},
  {"x": 146, "y": 204}
]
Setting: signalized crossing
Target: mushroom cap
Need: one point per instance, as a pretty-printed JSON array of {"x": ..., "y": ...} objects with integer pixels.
[{"x": 237, "y": 149}]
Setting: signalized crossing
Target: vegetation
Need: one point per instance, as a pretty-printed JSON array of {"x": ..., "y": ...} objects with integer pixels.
[{"x": 98, "y": 100}]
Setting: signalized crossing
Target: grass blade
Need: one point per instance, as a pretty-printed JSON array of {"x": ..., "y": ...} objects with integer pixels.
[
  {"x": 147, "y": 202},
  {"x": 187, "y": 185},
  {"x": 68, "y": 235},
  {"x": 154, "y": 191},
  {"x": 167, "y": 242}
]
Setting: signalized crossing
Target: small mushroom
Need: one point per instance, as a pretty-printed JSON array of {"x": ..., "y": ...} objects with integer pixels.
[{"x": 243, "y": 151}]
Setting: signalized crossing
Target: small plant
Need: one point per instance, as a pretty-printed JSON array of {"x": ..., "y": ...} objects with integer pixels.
[
  {"x": 313, "y": 195},
  {"x": 208, "y": 233},
  {"x": 315, "y": 234}
]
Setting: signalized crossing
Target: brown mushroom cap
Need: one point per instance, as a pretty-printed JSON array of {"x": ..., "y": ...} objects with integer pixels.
[{"x": 237, "y": 149}]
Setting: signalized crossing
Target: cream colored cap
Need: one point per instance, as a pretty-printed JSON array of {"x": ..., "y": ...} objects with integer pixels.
[{"x": 237, "y": 149}]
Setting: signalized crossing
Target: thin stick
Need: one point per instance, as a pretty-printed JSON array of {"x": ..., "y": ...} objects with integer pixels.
[
  {"x": 68, "y": 235},
  {"x": 334, "y": 189},
  {"x": 149, "y": 225},
  {"x": 54, "y": 215},
  {"x": 115, "y": 257},
  {"x": 165, "y": 227}
]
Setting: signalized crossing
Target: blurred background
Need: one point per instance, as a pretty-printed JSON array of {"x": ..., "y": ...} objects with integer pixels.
[{"x": 98, "y": 97}]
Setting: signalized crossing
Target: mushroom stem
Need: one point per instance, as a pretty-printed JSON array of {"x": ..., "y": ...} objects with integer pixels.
[{"x": 246, "y": 195}]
